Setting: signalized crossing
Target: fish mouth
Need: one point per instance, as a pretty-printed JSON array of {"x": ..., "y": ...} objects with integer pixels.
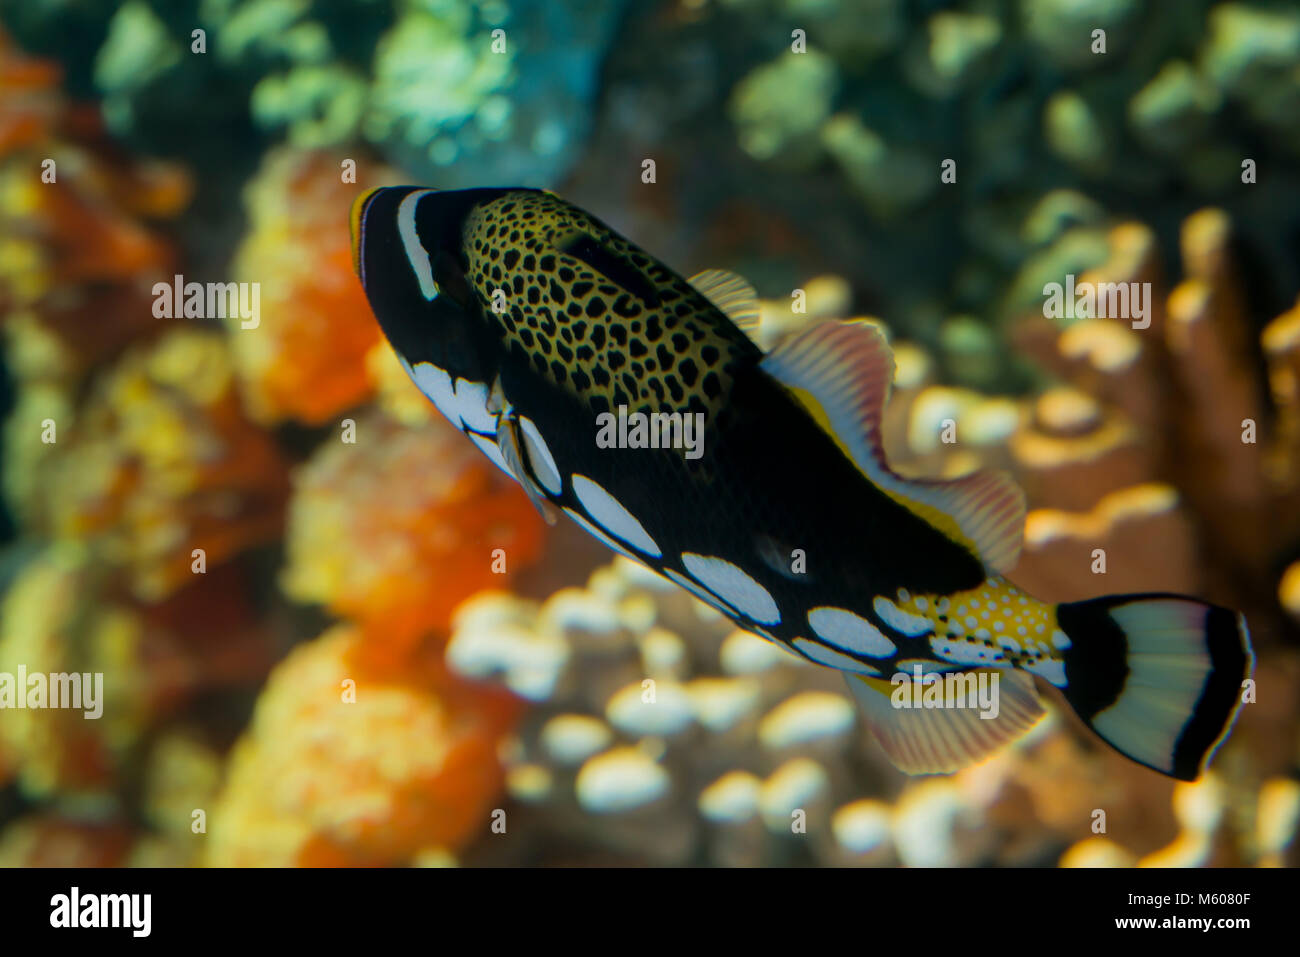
[{"x": 357, "y": 217}]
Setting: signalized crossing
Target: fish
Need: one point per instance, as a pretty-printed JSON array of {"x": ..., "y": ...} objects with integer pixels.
[{"x": 533, "y": 326}]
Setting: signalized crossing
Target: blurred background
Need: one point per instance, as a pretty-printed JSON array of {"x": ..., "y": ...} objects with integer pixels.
[{"x": 309, "y": 657}]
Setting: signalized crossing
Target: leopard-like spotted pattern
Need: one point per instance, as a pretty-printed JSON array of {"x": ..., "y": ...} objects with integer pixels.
[{"x": 657, "y": 346}]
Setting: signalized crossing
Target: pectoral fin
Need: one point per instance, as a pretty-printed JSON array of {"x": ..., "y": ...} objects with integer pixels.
[{"x": 511, "y": 444}]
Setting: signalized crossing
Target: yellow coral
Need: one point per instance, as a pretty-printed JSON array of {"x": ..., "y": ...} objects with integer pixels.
[
  {"x": 341, "y": 768},
  {"x": 306, "y": 358},
  {"x": 163, "y": 463},
  {"x": 44, "y": 629},
  {"x": 399, "y": 527}
]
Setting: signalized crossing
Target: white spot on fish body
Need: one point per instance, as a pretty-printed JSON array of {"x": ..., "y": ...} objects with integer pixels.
[
  {"x": 607, "y": 512},
  {"x": 596, "y": 533},
  {"x": 909, "y": 666},
  {"x": 901, "y": 621},
  {"x": 734, "y": 587},
  {"x": 1051, "y": 669},
  {"x": 700, "y": 592},
  {"x": 831, "y": 658},
  {"x": 437, "y": 388},
  {"x": 962, "y": 652},
  {"x": 471, "y": 404},
  {"x": 846, "y": 630}
]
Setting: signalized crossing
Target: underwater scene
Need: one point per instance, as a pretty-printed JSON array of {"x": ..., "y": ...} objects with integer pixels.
[{"x": 650, "y": 433}]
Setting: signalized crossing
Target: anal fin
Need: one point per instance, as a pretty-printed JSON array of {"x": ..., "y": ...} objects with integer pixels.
[{"x": 943, "y": 740}]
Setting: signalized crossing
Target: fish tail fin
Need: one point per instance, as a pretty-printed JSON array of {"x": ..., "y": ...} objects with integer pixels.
[{"x": 1157, "y": 676}]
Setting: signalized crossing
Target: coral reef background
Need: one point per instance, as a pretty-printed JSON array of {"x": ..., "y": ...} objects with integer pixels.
[{"x": 332, "y": 634}]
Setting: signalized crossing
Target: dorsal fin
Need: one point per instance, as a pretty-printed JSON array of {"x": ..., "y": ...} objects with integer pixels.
[
  {"x": 842, "y": 372},
  {"x": 730, "y": 293}
]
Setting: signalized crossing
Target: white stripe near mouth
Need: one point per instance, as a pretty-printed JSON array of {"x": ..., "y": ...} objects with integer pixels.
[{"x": 416, "y": 254}]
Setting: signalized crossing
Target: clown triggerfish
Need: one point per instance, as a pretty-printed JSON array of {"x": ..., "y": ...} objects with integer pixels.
[{"x": 530, "y": 325}]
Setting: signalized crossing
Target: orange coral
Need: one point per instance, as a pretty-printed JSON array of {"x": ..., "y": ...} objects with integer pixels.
[
  {"x": 341, "y": 766},
  {"x": 364, "y": 750},
  {"x": 46, "y": 840},
  {"x": 397, "y": 529},
  {"x": 74, "y": 249},
  {"x": 306, "y": 358},
  {"x": 30, "y": 98},
  {"x": 204, "y": 637},
  {"x": 63, "y": 614},
  {"x": 163, "y": 462},
  {"x": 47, "y": 628}
]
